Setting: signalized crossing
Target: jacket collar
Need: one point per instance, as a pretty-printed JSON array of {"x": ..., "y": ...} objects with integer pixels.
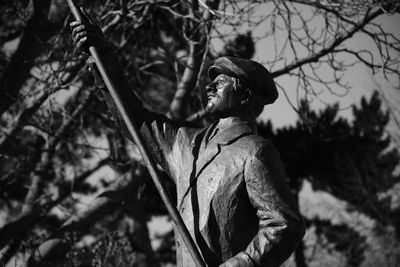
[{"x": 231, "y": 129}]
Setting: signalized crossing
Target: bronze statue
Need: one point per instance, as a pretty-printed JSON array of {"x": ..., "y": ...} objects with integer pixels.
[{"x": 230, "y": 181}]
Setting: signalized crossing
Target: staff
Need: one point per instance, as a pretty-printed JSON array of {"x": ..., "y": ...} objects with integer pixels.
[{"x": 151, "y": 166}]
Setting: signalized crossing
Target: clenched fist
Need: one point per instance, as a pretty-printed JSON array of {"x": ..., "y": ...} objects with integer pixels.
[{"x": 86, "y": 33}]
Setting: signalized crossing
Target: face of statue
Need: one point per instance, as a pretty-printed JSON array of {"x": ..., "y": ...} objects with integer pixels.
[{"x": 223, "y": 99}]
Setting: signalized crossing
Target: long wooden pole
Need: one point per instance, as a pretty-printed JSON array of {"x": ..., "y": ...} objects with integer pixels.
[{"x": 151, "y": 166}]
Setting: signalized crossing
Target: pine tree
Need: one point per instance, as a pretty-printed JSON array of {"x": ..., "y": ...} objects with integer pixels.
[{"x": 352, "y": 160}]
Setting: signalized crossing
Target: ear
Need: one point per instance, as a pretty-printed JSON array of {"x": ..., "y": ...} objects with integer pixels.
[{"x": 247, "y": 95}]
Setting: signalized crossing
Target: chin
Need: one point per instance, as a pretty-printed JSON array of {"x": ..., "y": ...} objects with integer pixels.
[
  {"x": 219, "y": 114},
  {"x": 210, "y": 107},
  {"x": 217, "y": 111}
]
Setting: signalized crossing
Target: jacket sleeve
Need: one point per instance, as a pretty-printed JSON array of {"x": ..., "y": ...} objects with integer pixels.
[
  {"x": 280, "y": 224},
  {"x": 158, "y": 132}
]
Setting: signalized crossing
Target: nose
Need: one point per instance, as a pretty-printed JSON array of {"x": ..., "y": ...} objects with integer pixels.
[{"x": 210, "y": 87}]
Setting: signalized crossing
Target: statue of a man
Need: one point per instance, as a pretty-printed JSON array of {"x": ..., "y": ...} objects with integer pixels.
[{"x": 230, "y": 181}]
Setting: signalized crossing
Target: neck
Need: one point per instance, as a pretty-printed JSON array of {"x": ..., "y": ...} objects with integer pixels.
[{"x": 226, "y": 122}]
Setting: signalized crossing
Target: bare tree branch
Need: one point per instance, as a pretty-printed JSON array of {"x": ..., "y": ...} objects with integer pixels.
[
  {"x": 330, "y": 48},
  {"x": 194, "y": 60}
]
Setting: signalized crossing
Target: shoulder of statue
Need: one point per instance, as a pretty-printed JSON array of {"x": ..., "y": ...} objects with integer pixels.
[
  {"x": 193, "y": 135},
  {"x": 256, "y": 141}
]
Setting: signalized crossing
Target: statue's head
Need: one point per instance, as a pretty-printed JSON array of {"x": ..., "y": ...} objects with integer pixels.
[{"x": 239, "y": 87}]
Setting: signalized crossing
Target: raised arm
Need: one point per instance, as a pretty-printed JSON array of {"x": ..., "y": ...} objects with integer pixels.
[
  {"x": 157, "y": 130},
  {"x": 86, "y": 33}
]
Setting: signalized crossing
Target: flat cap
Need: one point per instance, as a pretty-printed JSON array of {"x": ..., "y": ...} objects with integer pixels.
[{"x": 255, "y": 75}]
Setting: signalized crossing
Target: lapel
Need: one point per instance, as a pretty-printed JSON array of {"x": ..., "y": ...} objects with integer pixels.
[
  {"x": 237, "y": 129},
  {"x": 204, "y": 154},
  {"x": 206, "y": 151}
]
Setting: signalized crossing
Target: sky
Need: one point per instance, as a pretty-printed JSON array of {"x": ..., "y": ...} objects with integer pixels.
[{"x": 359, "y": 77}]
